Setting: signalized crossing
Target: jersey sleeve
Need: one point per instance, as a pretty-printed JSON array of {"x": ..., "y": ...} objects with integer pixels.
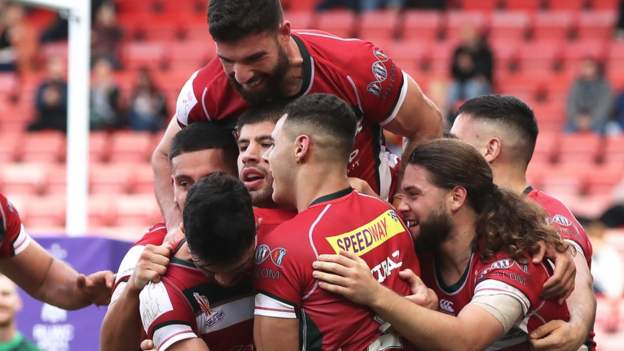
[
  {"x": 380, "y": 83},
  {"x": 13, "y": 236},
  {"x": 188, "y": 104},
  {"x": 281, "y": 273},
  {"x": 126, "y": 269},
  {"x": 571, "y": 230},
  {"x": 508, "y": 277},
  {"x": 165, "y": 315}
]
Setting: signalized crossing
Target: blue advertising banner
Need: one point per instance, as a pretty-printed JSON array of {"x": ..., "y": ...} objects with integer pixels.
[{"x": 54, "y": 329}]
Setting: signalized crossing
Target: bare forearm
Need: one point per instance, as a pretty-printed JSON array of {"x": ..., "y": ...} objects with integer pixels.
[
  {"x": 60, "y": 287},
  {"x": 582, "y": 302},
  {"x": 421, "y": 326},
  {"x": 163, "y": 189},
  {"x": 121, "y": 328}
]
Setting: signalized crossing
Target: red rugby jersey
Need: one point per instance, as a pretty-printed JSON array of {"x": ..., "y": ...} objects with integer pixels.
[
  {"x": 346, "y": 220},
  {"x": 354, "y": 70},
  {"x": 13, "y": 236},
  {"x": 499, "y": 275}
]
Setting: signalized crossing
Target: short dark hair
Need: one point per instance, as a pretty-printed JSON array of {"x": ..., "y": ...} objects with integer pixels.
[
  {"x": 203, "y": 136},
  {"x": 232, "y": 20},
  {"x": 328, "y": 115},
  {"x": 265, "y": 113},
  {"x": 510, "y": 111},
  {"x": 218, "y": 218},
  {"x": 505, "y": 221}
]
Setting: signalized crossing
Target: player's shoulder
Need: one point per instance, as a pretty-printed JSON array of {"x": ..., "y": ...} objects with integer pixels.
[
  {"x": 503, "y": 267},
  {"x": 337, "y": 50},
  {"x": 549, "y": 203},
  {"x": 155, "y": 235}
]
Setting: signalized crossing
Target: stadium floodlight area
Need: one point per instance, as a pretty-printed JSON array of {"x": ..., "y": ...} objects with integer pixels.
[{"x": 78, "y": 13}]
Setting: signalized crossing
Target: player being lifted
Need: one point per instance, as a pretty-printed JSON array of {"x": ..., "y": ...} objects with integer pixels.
[{"x": 261, "y": 59}]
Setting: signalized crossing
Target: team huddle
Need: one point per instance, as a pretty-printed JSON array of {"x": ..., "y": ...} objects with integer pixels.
[{"x": 288, "y": 224}]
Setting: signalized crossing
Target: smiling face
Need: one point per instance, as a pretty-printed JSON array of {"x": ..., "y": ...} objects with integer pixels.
[
  {"x": 189, "y": 167},
  {"x": 256, "y": 66},
  {"x": 423, "y": 207},
  {"x": 253, "y": 170}
]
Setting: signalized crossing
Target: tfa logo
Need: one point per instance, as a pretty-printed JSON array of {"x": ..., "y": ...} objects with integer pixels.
[
  {"x": 447, "y": 306},
  {"x": 561, "y": 220}
]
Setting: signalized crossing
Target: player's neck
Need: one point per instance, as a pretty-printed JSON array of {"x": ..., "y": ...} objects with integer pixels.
[
  {"x": 457, "y": 249},
  {"x": 510, "y": 178},
  {"x": 294, "y": 76},
  {"x": 8, "y": 332},
  {"x": 316, "y": 181}
]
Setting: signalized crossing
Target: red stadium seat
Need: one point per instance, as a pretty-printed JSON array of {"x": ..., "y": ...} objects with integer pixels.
[
  {"x": 299, "y": 5},
  {"x": 45, "y": 213},
  {"x": 140, "y": 210},
  {"x": 9, "y": 146},
  {"x": 539, "y": 54},
  {"x": 408, "y": 53},
  {"x": 603, "y": 179},
  {"x": 575, "y": 52},
  {"x": 596, "y": 25},
  {"x": 23, "y": 178},
  {"x": 130, "y": 147},
  {"x": 575, "y": 5},
  {"x": 109, "y": 178},
  {"x": 509, "y": 25},
  {"x": 614, "y": 150},
  {"x": 523, "y": 5},
  {"x": 337, "y": 22},
  {"x": 545, "y": 147},
  {"x": 300, "y": 19},
  {"x": 378, "y": 25},
  {"x": 142, "y": 179},
  {"x": 102, "y": 210},
  {"x": 579, "y": 148},
  {"x": 45, "y": 147},
  {"x": 192, "y": 54},
  {"x": 99, "y": 147},
  {"x": 480, "y": 5},
  {"x": 552, "y": 25},
  {"x": 57, "y": 179},
  {"x": 421, "y": 25},
  {"x": 605, "y": 5},
  {"x": 137, "y": 54},
  {"x": 563, "y": 181}
]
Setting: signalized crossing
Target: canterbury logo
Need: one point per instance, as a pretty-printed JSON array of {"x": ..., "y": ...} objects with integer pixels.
[{"x": 447, "y": 306}]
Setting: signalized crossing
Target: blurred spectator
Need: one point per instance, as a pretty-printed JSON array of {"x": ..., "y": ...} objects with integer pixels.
[
  {"x": 426, "y": 4},
  {"x": 372, "y": 5},
  {"x": 471, "y": 68},
  {"x": 607, "y": 271},
  {"x": 106, "y": 35},
  {"x": 354, "y": 5},
  {"x": 10, "y": 304},
  {"x": 51, "y": 99},
  {"x": 58, "y": 30},
  {"x": 589, "y": 99},
  {"x": 18, "y": 42},
  {"x": 148, "y": 108},
  {"x": 105, "y": 98},
  {"x": 616, "y": 124}
]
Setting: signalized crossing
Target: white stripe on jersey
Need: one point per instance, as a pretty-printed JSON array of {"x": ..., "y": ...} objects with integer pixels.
[
  {"x": 203, "y": 101},
  {"x": 186, "y": 100},
  {"x": 226, "y": 315},
  {"x": 576, "y": 246},
  {"x": 168, "y": 335},
  {"x": 154, "y": 301},
  {"x": 310, "y": 233},
  {"x": 496, "y": 287},
  {"x": 397, "y": 107},
  {"x": 129, "y": 262},
  {"x": 269, "y": 307},
  {"x": 22, "y": 241}
]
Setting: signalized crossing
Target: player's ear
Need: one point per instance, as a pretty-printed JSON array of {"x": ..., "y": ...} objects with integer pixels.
[
  {"x": 284, "y": 29},
  {"x": 457, "y": 198},
  {"x": 302, "y": 147},
  {"x": 492, "y": 149}
]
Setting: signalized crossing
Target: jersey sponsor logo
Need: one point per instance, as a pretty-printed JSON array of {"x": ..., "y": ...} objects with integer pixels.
[
  {"x": 369, "y": 236},
  {"x": 380, "y": 72},
  {"x": 267, "y": 273},
  {"x": 202, "y": 302},
  {"x": 380, "y": 55},
  {"x": 263, "y": 252},
  {"x": 447, "y": 306},
  {"x": 384, "y": 269},
  {"x": 561, "y": 220}
]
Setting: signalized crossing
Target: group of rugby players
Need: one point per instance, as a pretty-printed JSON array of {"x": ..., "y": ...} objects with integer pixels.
[{"x": 300, "y": 230}]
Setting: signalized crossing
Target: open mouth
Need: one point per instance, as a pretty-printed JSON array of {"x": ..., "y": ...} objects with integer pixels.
[{"x": 252, "y": 178}]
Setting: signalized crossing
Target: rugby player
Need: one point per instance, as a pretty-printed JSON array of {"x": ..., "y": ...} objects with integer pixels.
[
  {"x": 41, "y": 275},
  {"x": 261, "y": 59},
  {"x": 309, "y": 160},
  {"x": 476, "y": 243},
  {"x": 504, "y": 130}
]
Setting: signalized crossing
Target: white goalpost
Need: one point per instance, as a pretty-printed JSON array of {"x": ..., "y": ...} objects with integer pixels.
[{"x": 78, "y": 13}]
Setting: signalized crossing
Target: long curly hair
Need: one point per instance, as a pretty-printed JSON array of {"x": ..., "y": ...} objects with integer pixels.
[{"x": 505, "y": 221}]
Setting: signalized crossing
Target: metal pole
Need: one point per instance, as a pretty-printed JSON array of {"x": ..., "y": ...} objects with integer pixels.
[{"x": 78, "y": 118}]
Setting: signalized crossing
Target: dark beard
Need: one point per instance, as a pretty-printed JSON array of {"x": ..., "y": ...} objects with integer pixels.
[
  {"x": 434, "y": 231},
  {"x": 273, "y": 84}
]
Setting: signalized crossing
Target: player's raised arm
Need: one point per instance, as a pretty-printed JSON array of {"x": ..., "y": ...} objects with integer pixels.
[
  {"x": 162, "y": 176},
  {"x": 54, "y": 281},
  {"x": 418, "y": 118}
]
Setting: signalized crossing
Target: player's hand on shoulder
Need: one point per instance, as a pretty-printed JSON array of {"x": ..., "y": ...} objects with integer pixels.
[
  {"x": 361, "y": 186},
  {"x": 97, "y": 287},
  {"x": 151, "y": 266},
  {"x": 557, "y": 335},
  {"x": 347, "y": 275},
  {"x": 561, "y": 284},
  {"x": 421, "y": 294}
]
